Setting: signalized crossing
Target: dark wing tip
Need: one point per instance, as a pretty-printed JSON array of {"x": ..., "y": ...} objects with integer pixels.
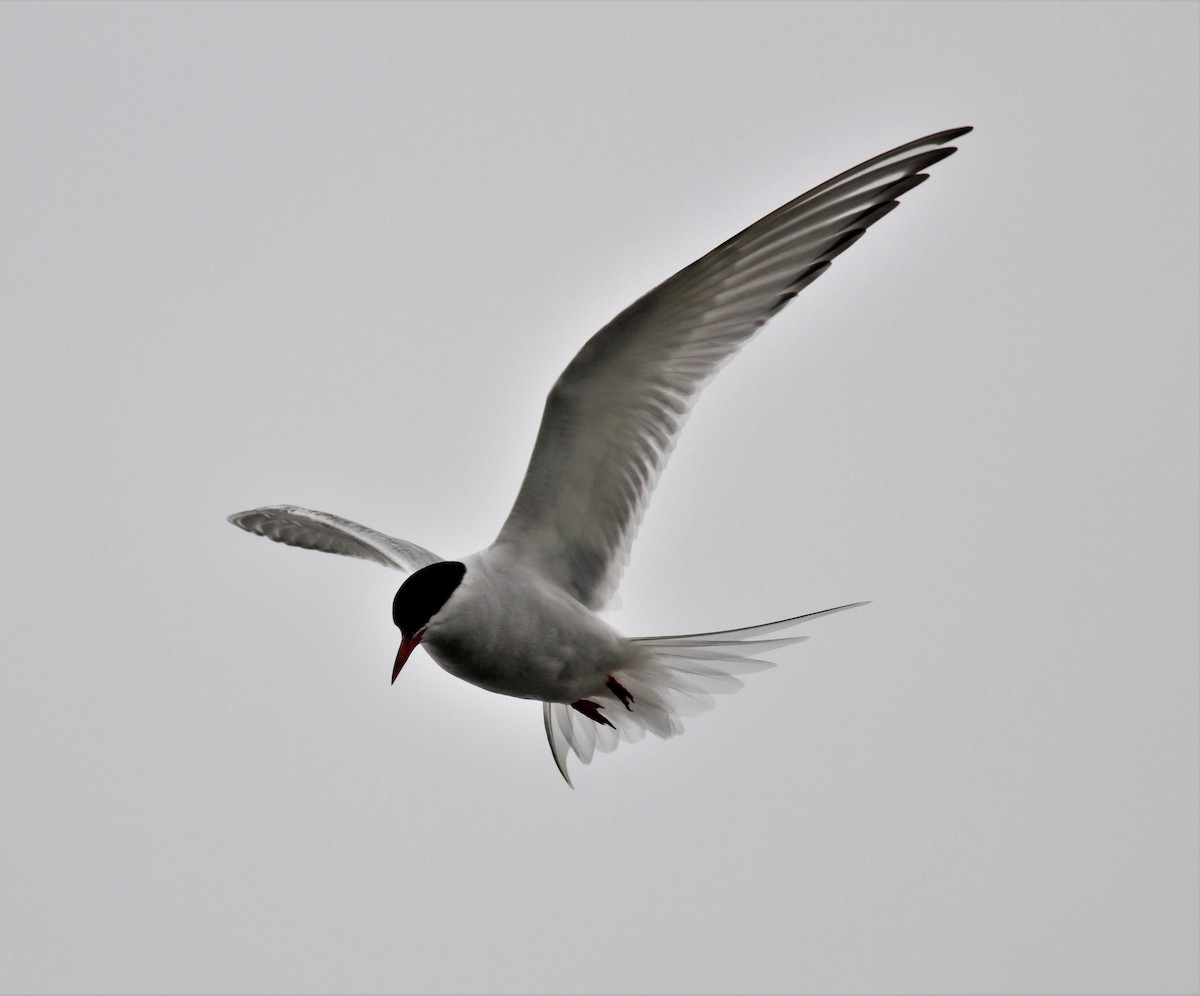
[
  {"x": 951, "y": 134},
  {"x": 843, "y": 242},
  {"x": 927, "y": 159}
]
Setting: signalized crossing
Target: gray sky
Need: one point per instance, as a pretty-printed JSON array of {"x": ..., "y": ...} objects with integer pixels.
[{"x": 336, "y": 256}]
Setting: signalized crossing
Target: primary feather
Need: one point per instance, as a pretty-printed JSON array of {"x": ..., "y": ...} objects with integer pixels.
[{"x": 613, "y": 417}]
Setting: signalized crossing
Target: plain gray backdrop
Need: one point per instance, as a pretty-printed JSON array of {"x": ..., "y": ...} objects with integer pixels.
[{"x": 336, "y": 255}]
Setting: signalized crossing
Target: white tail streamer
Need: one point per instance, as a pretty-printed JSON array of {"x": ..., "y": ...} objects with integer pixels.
[{"x": 675, "y": 679}]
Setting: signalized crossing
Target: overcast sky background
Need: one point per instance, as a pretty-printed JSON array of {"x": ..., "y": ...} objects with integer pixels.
[{"x": 336, "y": 255}]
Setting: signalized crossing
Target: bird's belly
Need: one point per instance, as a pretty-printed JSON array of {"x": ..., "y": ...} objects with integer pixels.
[{"x": 549, "y": 665}]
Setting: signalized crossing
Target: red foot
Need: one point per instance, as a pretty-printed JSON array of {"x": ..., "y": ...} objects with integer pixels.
[
  {"x": 621, "y": 692},
  {"x": 592, "y": 711}
]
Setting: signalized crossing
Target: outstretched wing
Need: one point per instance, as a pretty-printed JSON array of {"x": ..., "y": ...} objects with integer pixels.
[
  {"x": 613, "y": 417},
  {"x": 332, "y": 534},
  {"x": 676, "y": 680}
]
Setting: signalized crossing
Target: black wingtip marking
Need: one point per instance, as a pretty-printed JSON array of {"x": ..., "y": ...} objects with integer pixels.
[
  {"x": 844, "y": 242},
  {"x": 902, "y": 186},
  {"x": 927, "y": 159},
  {"x": 797, "y": 285},
  {"x": 873, "y": 214},
  {"x": 779, "y": 305},
  {"x": 811, "y": 273},
  {"x": 942, "y": 137}
]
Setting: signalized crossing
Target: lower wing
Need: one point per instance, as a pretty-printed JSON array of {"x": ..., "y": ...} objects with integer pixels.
[{"x": 332, "y": 534}]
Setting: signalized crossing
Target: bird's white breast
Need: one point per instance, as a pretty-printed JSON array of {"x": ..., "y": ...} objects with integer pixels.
[{"x": 509, "y": 630}]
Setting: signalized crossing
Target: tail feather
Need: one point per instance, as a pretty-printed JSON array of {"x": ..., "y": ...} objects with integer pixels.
[{"x": 677, "y": 677}]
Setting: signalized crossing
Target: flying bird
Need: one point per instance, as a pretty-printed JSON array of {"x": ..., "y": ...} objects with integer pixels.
[{"x": 520, "y": 617}]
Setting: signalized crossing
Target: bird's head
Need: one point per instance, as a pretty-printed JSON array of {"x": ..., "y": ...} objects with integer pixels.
[{"x": 419, "y": 599}]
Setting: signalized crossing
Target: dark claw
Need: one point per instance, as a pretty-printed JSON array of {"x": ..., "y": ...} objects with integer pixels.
[
  {"x": 592, "y": 711},
  {"x": 621, "y": 692}
]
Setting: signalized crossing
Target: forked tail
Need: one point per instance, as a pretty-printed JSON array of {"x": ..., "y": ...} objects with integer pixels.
[{"x": 677, "y": 677}]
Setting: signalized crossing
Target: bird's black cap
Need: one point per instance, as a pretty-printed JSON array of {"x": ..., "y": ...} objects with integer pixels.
[{"x": 424, "y": 593}]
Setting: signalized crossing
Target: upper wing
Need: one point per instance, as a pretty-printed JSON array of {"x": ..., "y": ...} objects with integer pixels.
[
  {"x": 613, "y": 416},
  {"x": 332, "y": 534}
]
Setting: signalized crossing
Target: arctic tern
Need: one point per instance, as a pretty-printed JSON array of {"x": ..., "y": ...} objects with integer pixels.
[{"x": 519, "y": 617}]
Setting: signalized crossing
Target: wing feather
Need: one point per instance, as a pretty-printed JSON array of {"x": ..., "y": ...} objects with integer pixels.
[
  {"x": 329, "y": 533},
  {"x": 612, "y": 418}
]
